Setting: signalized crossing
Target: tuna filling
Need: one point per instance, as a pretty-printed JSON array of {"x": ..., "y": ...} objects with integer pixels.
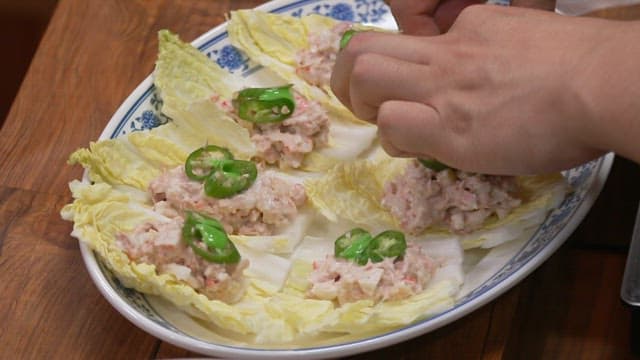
[{"x": 461, "y": 201}]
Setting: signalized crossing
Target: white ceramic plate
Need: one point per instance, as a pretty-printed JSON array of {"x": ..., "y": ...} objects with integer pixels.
[{"x": 488, "y": 273}]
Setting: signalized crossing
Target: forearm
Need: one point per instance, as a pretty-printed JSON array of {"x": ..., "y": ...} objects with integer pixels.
[{"x": 609, "y": 84}]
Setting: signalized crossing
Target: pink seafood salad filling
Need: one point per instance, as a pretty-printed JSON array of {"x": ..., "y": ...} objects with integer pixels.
[
  {"x": 160, "y": 244},
  {"x": 286, "y": 143},
  {"x": 421, "y": 197},
  {"x": 315, "y": 63},
  {"x": 271, "y": 202},
  {"x": 391, "y": 279}
]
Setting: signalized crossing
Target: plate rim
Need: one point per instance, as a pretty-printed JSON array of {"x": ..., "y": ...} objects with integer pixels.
[
  {"x": 370, "y": 343},
  {"x": 405, "y": 333}
]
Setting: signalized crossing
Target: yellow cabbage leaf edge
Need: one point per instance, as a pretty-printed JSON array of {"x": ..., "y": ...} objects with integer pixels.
[{"x": 273, "y": 40}]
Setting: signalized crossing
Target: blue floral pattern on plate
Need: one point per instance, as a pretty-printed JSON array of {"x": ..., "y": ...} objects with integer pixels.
[
  {"x": 230, "y": 58},
  {"x": 145, "y": 113},
  {"x": 149, "y": 118},
  {"x": 364, "y": 11}
]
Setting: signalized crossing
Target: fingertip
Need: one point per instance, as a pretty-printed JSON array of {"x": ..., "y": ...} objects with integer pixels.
[
  {"x": 338, "y": 81},
  {"x": 363, "y": 100},
  {"x": 342, "y": 73},
  {"x": 390, "y": 149}
]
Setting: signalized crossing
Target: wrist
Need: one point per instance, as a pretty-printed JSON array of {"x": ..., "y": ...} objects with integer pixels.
[{"x": 607, "y": 85}]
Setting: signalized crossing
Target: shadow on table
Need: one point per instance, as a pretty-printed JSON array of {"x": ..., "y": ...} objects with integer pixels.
[{"x": 22, "y": 24}]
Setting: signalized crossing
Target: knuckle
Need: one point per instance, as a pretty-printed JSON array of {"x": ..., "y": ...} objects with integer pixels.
[
  {"x": 460, "y": 126},
  {"x": 473, "y": 15},
  {"x": 457, "y": 120},
  {"x": 363, "y": 66},
  {"x": 476, "y": 10},
  {"x": 398, "y": 7},
  {"x": 363, "y": 110},
  {"x": 384, "y": 118}
]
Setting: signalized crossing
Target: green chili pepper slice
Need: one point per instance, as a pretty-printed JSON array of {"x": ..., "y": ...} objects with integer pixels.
[
  {"x": 204, "y": 160},
  {"x": 265, "y": 105},
  {"x": 387, "y": 244},
  {"x": 207, "y": 239},
  {"x": 197, "y": 218},
  {"x": 230, "y": 178},
  {"x": 434, "y": 165},
  {"x": 354, "y": 245},
  {"x": 346, "y": 37}
]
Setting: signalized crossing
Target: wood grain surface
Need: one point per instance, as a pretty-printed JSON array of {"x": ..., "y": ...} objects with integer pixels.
[
  {"x": 92, "y": 55},
  {"x": 22, "y": 24}
]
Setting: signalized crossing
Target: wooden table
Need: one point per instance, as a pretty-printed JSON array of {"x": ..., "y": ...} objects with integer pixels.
[{"x": 91, "y": 57}]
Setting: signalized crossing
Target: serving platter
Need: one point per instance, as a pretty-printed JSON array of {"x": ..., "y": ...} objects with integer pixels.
[{"x": 489, "y": 273}]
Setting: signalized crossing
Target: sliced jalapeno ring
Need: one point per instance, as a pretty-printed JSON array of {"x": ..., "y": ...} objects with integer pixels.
[
  {"x": 347, "y": 239},
  {"x": 387, "y": 244},
  {"x": 197, "y": 218},
  {"x": 230, "y": 178},
  {"x": 353, "y": 245},
  {"x": 207, "y": 240},
  {"x": 434, "y": 165},
  {"x": 346, "y": 37},
  {"x": 265, "y": 105},
  {"x": 201, "y": 162}
]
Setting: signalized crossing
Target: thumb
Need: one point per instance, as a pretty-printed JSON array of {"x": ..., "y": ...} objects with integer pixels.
[{"x": 414, "y": 128}]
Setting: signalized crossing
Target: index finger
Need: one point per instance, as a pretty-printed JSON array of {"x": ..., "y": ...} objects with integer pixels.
[{"x": 408, "y": 48}]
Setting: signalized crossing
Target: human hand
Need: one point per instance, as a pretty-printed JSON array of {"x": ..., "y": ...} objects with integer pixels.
[
  {"x": 427, "y": 17},
  {"x": 500, "y": 93}
]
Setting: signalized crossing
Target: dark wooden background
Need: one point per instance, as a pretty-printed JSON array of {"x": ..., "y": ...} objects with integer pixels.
[
  {"x": 22, "y": 24},
  {"x": 92, "y": 55}
]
